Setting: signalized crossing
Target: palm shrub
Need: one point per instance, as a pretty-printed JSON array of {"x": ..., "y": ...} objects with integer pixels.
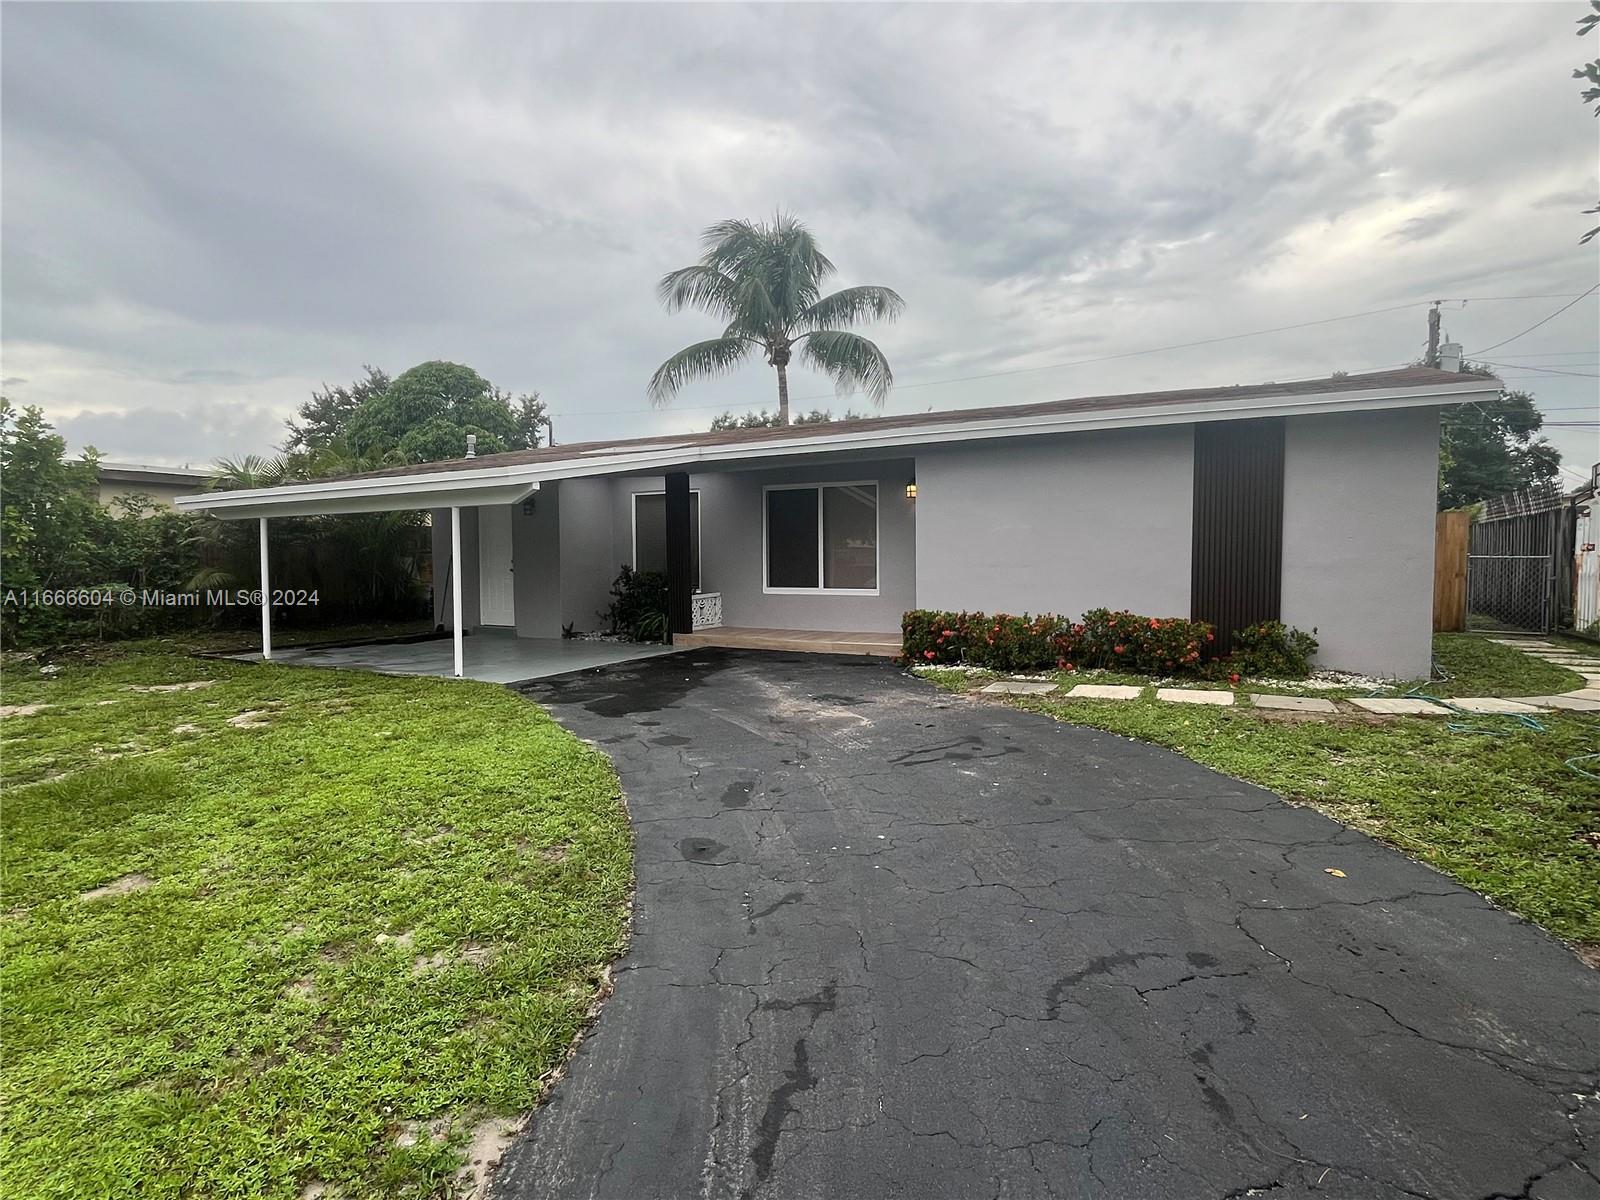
[{"x": 764, "y": 282}]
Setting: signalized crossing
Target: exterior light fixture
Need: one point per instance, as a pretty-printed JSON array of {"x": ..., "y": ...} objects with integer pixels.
[{"x": 911, "y": 490}]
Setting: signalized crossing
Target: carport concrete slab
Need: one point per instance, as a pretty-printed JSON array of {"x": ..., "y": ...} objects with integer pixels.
[
  {"x": 1400, "y": 706},
  {"x": 889, "y": 942},
  {"x": 1314, "y": 704},
  {"x": 1492, "y": 704},
  {"x": 1194, "y": 696},
  {"x": 1568, "y": 703},
  {"x": 1019, "y": 687},
  {"x": 1105, "y": 691},
  {"x": 491, "y": 656}
]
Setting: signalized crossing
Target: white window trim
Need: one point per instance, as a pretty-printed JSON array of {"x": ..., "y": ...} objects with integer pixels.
[
  {"x": 699, "y": 533},
  {"x": 877, "y": 539}
]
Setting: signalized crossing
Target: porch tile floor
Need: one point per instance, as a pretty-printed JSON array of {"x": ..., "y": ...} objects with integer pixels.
[
  {"x": 490, "y": 656},
  {"x": 806, "y": 641}
]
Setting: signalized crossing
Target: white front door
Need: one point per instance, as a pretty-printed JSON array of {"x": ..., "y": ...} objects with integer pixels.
[{"x": 497, "y": 602}]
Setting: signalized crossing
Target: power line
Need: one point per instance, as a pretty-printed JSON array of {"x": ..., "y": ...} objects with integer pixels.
[
  {"x": 1536, "y": 324},
  {"x": 1542, "y": 370},
  {"x": 1232, "y": 337}
]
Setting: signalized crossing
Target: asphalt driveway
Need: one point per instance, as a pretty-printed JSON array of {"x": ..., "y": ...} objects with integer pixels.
[{"x": 890, "y": 942}]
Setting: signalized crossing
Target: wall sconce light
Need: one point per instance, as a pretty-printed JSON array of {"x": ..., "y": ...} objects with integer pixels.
[
  {"x": 911, "y": 489},
  {"x": 527, "y": 508}
]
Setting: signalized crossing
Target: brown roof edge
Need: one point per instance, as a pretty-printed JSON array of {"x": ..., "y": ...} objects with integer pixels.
[{"x": 1371, "y": 381}]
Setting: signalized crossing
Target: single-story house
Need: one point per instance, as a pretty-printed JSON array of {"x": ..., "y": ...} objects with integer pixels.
[
  {"x": 1312, "y": 502},
  {"x": 162, "y": 484}
]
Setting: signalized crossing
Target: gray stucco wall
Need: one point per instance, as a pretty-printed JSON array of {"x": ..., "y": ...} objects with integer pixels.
[
  {"x": 1058, "y": 525},
  {"x": 731, "y": 559},
  {"x": 536, "y": 560},
  {"x": 443, "y": 569},
  {"x": 1360, "y": 491},
  {"x": 588, "y": 559}
]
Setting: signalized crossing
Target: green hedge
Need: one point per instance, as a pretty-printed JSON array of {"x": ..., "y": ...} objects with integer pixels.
[{"x": 1117, "y": 640}]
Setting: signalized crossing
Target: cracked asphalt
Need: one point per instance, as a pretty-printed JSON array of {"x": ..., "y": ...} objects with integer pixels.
[{"x": 890, "y": 942}]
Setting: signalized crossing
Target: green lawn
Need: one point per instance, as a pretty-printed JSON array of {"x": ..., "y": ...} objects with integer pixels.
[
  {"x": 1475, "y": 666},
  {"x": 1501, "y": 811},
  {"x": 346, "y": 930}
]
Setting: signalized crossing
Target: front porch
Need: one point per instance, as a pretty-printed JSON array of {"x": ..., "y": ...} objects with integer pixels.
[
  {"x": 803, "y": 641},
  {"x": 488, "y": 655}
]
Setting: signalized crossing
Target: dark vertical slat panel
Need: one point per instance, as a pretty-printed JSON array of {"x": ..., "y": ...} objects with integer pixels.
[
  {"x": 1237, "y": 569},
  {"x": 680, "y": 558}
]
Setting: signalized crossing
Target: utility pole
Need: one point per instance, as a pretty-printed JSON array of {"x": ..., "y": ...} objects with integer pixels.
[{"x": 1432, "y": 359}]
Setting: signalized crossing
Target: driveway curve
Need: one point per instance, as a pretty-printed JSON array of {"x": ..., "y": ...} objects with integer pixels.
[{"x": 894, "y": 943}]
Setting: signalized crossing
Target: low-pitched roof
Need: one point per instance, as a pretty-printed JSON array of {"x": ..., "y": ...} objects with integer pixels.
[{"x": 508, "y": 477}]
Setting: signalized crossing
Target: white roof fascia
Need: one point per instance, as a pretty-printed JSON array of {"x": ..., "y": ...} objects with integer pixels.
[
  {"x": 450, "y": 487},
  {"x": 396, "y": 494}
]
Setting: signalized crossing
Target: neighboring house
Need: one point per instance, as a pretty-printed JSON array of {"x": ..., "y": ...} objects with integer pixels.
[
  {"x": 1312, "y": 502},
  {"x": 161, "y": 484}
]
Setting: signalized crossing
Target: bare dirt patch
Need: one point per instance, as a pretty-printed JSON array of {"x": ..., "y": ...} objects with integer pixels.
[
  {"x": 186, "y": 727},
  {"x": 304, "y": 988},
  {"x": 21, "y": 710},
  {"x": 118, "y": 887},
  {"x": 485, "y": 1148},
  {"x": 1588, "y": 953},
  {"x": 254, "y": 718},
  {"x": 193, "y": 685}
]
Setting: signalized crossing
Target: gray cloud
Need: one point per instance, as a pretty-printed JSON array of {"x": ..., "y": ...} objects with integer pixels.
[
  {"x": 208, "y": 210},
  {"x": 1356, "y": 125}
]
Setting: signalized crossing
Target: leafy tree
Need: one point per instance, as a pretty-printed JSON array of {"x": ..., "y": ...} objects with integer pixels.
[
  {"x": 766, "y": 420},
  {"x": 531, "y": 417},
  {"x": 323, "y": 418},
  {"x": 1489, "y": 449},
  {"x": 765, "y": 281},
  {"x": 426, "y": 413},
  {"x": 1590, "y": 72}
]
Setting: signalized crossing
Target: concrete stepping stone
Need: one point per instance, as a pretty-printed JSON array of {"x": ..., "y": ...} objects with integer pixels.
[
  {"x": 1491, "y": 704},
  {"x": 1400, "y": 705},
  {"x": 1194, "y": 696},
  {"x": 1568, "y": 703},
  {"x": 1104, "y": 691},
  {"x": 1019, "y": 687},
  {"x": 1586, "y": 693},
  {"x": 1314, "y": 704}
]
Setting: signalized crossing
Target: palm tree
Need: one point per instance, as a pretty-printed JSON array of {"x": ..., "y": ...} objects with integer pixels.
[{"x": 765, "y": 281}]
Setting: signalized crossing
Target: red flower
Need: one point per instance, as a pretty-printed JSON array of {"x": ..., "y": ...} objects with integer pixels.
[
  {"x": 1154, "y": 624},
  {"x": 1066, "y": 666},
  {"x": 1234, "y": 678},
  {"x": 927, "y": 654},
  {"x": 1210, "y": 637},
  {"x": 1118, "y": 649}
]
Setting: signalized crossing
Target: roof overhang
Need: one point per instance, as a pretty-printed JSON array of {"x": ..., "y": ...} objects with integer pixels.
[
  {"x": 337, "y": 496},
  {"x": 433, "y": 487}
]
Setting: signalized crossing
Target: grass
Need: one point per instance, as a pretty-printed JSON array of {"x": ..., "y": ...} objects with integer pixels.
[
  {"x": 1500, "y": 811},
  {"x": 376, "y": 904},
  {"x": 1475, "y": 666}
]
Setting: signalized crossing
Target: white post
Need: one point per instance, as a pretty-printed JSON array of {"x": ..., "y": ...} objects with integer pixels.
[
  {"x": 455, "y": 579},
  {"x": 266, "y": 597}
]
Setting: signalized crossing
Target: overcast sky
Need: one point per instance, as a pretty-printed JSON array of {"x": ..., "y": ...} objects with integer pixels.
[{"x": 210, "y": 209}]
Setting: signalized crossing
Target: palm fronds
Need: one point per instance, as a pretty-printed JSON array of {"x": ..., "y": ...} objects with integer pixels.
[
  {"x": 703, "y": 360},
  {"x": 850, "y": 360}
]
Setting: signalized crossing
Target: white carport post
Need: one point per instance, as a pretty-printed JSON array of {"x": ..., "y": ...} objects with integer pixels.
[
  {"x": 266, "y": 597},
  {"x": 455, "y": 579}
]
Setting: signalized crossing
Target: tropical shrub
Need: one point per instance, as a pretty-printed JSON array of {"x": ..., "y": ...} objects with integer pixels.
[
  {"x": 1001, "y": 642},
  {"x": 1273, "y": 649},
  {"x": 638, "y": 605},
  {"x": 1143, "y": 645},
  {"x": 1114, "y": 639}
]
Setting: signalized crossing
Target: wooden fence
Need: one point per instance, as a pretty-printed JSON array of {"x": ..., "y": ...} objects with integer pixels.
[{"x": 1452, "y": 532}]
